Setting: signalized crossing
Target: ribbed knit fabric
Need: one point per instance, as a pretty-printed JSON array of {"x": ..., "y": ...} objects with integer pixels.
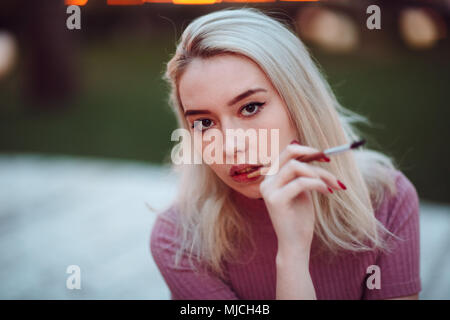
[{"x": 334, "y": 277}]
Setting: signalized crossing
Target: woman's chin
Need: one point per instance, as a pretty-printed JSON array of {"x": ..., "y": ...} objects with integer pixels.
[{"x": 250, "y": 191}]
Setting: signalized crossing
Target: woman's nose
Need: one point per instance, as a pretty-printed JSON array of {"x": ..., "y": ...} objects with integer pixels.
[
  {"x": 234, "y": 142},
  {"x": 230, "y": 146}
]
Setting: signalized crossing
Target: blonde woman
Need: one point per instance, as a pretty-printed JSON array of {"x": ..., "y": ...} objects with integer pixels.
[{"x": 346, "y": 227}]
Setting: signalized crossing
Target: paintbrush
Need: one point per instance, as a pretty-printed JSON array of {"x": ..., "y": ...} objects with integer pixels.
[{"x": 319, "y": 155}]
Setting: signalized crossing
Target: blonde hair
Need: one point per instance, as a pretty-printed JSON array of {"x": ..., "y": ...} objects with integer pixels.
[{"x": 212, "y": 229}]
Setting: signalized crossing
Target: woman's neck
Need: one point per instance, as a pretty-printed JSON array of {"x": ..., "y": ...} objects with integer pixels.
[{"x": 255, "y": 209}]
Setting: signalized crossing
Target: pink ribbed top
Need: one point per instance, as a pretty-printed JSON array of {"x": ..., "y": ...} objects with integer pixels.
[{"x": 334, "y": 277}]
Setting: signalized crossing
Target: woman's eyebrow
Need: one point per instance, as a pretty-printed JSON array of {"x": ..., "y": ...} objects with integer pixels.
[
  {"x": 233, "y": 101},
  {"x": 245, "y": 95},
  {"x": 194, "y": 112}
]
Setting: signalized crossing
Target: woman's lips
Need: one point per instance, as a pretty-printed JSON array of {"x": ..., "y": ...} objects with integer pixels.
[{"x": 239, "y": 173}]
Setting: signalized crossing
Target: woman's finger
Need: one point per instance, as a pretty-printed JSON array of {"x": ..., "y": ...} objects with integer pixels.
[
  {"x": 302, "y": 184},
  {"x": 293, "y": 151},
  {"x": 290, "y": 152},
  {"x": 291, "y": 170},
  {"x": 295, "y": 168}
]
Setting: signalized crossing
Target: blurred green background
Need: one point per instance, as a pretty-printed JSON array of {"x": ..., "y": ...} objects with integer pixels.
[{"x": 119, "y": 108}]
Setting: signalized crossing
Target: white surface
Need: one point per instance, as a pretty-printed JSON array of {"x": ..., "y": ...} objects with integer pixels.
[{"x": 61, "y": 211}]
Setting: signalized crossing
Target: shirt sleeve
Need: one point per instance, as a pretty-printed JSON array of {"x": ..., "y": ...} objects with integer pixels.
[
  {"x": 184, "y": 282},
  {"x": 400, "y": 268}
]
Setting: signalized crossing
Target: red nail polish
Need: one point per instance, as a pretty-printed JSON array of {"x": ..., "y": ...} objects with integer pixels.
[
  {"x": 294, "y": 142},
  {"x": 342, "y": 185},
  {"x": 329, "y": 189}
]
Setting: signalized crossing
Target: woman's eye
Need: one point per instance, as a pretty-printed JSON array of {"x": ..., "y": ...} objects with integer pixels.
[
  {"x": 251, "y": 109},
  {"x": 203, "y": 123}
]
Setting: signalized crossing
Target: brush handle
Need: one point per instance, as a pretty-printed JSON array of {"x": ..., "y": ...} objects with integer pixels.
[
  {"x": 319, "y": 155},
  {"x": 311, "y": 157}
]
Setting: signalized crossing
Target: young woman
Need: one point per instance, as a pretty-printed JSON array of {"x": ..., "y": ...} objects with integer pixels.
[{"x": 342, "y": 228}]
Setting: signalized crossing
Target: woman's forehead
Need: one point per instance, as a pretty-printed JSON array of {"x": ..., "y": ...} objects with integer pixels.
[{"x": 219, "y": 78}]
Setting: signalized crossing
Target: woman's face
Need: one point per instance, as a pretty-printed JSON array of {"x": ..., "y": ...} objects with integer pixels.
[{"x": 215, "y": 93}]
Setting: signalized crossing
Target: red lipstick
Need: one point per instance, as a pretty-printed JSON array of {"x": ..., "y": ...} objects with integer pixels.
[{"x": 239, "y": 173}]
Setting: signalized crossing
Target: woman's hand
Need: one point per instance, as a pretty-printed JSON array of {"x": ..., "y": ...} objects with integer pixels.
[{"x": 287, "y": 195}]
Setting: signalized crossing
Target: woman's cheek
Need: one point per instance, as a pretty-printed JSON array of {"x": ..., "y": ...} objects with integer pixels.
[{"x": 220, "y": 170}]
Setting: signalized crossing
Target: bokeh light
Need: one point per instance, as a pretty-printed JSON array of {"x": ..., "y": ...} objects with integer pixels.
[
  {"x": 330, "y": 30},
  {"x": 8, "y": 52}
]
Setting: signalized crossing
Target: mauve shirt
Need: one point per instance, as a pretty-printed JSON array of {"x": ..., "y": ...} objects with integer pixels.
[{"x": 334, "y": 277}]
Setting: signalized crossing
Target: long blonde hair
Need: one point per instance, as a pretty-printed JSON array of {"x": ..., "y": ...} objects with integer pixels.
[{"x": 212, "y": 229}]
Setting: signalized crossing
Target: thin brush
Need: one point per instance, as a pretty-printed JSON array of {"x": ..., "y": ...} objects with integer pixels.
[{"x": 320, "y": 155}]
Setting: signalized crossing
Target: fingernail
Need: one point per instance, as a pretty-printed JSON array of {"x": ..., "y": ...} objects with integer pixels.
[
  {"x": 324, "y": 159},
  {"x": 294, "y": 142},
  {"x": 329, "y": 189},
  {"x": 342, "y": 185}
]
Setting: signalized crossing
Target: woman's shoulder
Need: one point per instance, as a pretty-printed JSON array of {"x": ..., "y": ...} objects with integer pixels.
[
  {"x": 168, "y": 216},
  {"x": 401, "y": 204},
  {"x": 166, "y": 242},
  {"x": 164, "y": 230}
]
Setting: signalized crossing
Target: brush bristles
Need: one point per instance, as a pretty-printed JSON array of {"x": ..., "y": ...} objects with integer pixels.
[
  {"x": 357, "y": 144},
  {"x": 254, "y": 174}
]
